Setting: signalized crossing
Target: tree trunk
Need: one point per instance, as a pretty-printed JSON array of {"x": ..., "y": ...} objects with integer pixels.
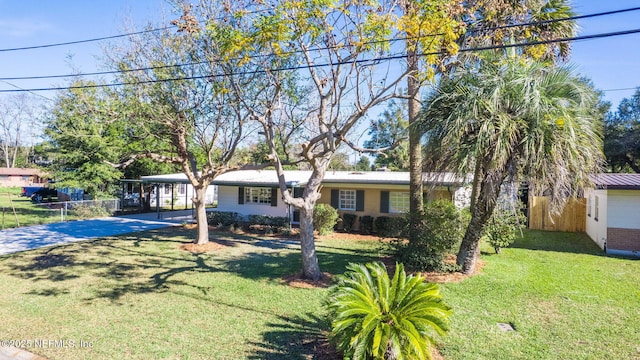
[
  {"x": 201, "y": 214},
  {"x": 482, "y": 209},
  {"x": 310, "y": 266}
]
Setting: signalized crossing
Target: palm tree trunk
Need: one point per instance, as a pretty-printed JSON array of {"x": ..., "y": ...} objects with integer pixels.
[{"x": 481, "y": 211}]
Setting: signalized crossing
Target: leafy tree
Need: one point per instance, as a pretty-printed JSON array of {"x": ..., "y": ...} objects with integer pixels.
[
  {"x": 330, "y": 45},
  {"x": 513, "y": 119},
  {"x": 374, "y": 317},
  {"x": 186, "y": 113},
  {"x": 340, "y": 162},
  {"x": 390, "y": 132},
  {"x": 622, "y": 136},
  {"x": 364, "y": 164},
  {"x": 83, "y": 139}
]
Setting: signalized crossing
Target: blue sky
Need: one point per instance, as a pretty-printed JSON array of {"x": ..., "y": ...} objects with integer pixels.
[{"x": 612, "y": 63}]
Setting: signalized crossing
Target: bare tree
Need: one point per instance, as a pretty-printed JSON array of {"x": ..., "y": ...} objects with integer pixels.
[{"x": 17, "y": 120}]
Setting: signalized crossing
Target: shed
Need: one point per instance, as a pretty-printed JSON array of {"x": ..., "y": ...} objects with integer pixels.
[{"x": 613, "y": 213}]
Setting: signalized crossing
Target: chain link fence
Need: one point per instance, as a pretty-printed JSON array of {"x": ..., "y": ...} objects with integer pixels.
[{"x": 45, "y": 213}]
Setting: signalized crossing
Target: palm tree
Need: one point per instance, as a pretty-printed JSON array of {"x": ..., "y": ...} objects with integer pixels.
[
  {"x": 512, "y": 119},
  {"x": 381, "y": 318}
]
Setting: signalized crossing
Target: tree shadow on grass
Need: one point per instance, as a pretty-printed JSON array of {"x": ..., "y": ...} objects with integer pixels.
[
  {"x": 577, "y": 243},
  {"x": 298, "y": 337},
  {"x": 151, "y": 262}
]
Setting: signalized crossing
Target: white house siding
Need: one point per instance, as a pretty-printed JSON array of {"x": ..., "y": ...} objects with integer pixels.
[
  {"x": 228, "y": 201},
  {"x": 597, "y": 226}
]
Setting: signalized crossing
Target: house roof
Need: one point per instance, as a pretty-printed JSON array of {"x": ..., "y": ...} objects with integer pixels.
[
  {"x": 301, "y": 177},
  {"x": 20, "y": 171},
  {"x": 616, "y": 181}
]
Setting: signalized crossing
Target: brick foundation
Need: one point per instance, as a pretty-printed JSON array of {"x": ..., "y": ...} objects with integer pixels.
[{"x": 623, "y": 239}]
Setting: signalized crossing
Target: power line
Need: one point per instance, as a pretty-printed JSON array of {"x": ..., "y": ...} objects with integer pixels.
[
  {"x": 87, "y": 40},
  {"x": 605, "y": 13},
  {"x": 360, "y": 62},
  {"x": 101, "y": 38}
]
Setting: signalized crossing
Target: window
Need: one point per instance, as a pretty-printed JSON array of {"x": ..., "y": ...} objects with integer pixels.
[
  {"x": 182, "y": 189},
  {"x": 398, "y": 202},
  {"x": 595, "y": 212},
  {"x": 589, "y": 206},
  {"x": 347, "y": 200},
  {"x": 257, "y": 196},
  {"x": 167, "y": 189}
]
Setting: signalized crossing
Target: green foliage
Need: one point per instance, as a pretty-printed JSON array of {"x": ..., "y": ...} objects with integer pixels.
[
  {"x": 325, "y": 218},
  {"x": 503, "y": 227},
  {"x": 90, "y": 211},
  {"x": 268, "y": 224},
  {"x": 375, "y": 317},
  {"x": 223, "y": 218},
  {"x": 388, "y": 131},
  {"x": 348, "y": 220},
  {"x": 366, "y": 224},
  {"x": 84, "y": 139},
  {"x": 390, "y": 226},
  {"x": 364, "y": 164},
  {"x": 622, "y": 136},
  {"x": 440, "y": 230}
]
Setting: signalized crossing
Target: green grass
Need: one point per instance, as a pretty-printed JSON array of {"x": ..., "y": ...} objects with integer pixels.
[
  {"x": 565, "y": 299},
  {"x": 26, "y": 213},
  {"x": 139, "y": 296}
]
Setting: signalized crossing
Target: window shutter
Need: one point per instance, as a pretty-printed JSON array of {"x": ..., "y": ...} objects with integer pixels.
[
  {"x": 359, "y": 200},
  {"x": 240, "y": 195},
  {"x": 384, "y": 202},
  {"x": 274, "y": 196},
  {"x": 297, "y": 192},
  {"x": 335, "y": 198}
]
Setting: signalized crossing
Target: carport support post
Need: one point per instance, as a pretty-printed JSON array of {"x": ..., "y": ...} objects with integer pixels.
[
  {"x": 158, "y": 199},
  {"x": 172, "y": 193}
]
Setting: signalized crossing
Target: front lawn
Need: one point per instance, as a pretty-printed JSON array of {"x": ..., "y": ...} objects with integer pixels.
[{"x": 140, "y": 296}]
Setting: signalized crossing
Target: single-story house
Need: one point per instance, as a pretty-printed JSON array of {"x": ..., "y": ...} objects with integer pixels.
[
  {"x": 613, "y": 213},
  {"x": 21, "y": 176},
  {"x": 362, "y": 193}
]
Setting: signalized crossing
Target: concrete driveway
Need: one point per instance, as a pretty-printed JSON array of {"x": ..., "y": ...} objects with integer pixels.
[{"x": 33, "y": 237}]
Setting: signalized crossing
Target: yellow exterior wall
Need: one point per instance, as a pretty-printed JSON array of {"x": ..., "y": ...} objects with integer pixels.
[{"x": 372, "y": 200}]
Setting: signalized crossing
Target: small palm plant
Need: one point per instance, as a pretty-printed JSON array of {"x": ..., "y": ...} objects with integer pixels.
[{"x": 374, "y": 317}]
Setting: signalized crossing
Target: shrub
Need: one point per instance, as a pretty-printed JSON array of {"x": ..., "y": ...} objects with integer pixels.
[
  {"x": 366, "y": 224},
  {"x": 502, "y": 228},
  {"x": 325, "y": 218},
  {"x": 347, "y": 221},
  {"x": 374, "y": 317},
  {"x": 223, "y": 218},
  {"x": 90, "y": 211},
  {"x": 387, "y": 226},
  {"x": 269, "y": 223},
  {"x": 440, "y": 230}
]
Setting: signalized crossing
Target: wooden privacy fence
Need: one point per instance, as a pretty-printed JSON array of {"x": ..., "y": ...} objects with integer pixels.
[{"x": 572, "y": 219}]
